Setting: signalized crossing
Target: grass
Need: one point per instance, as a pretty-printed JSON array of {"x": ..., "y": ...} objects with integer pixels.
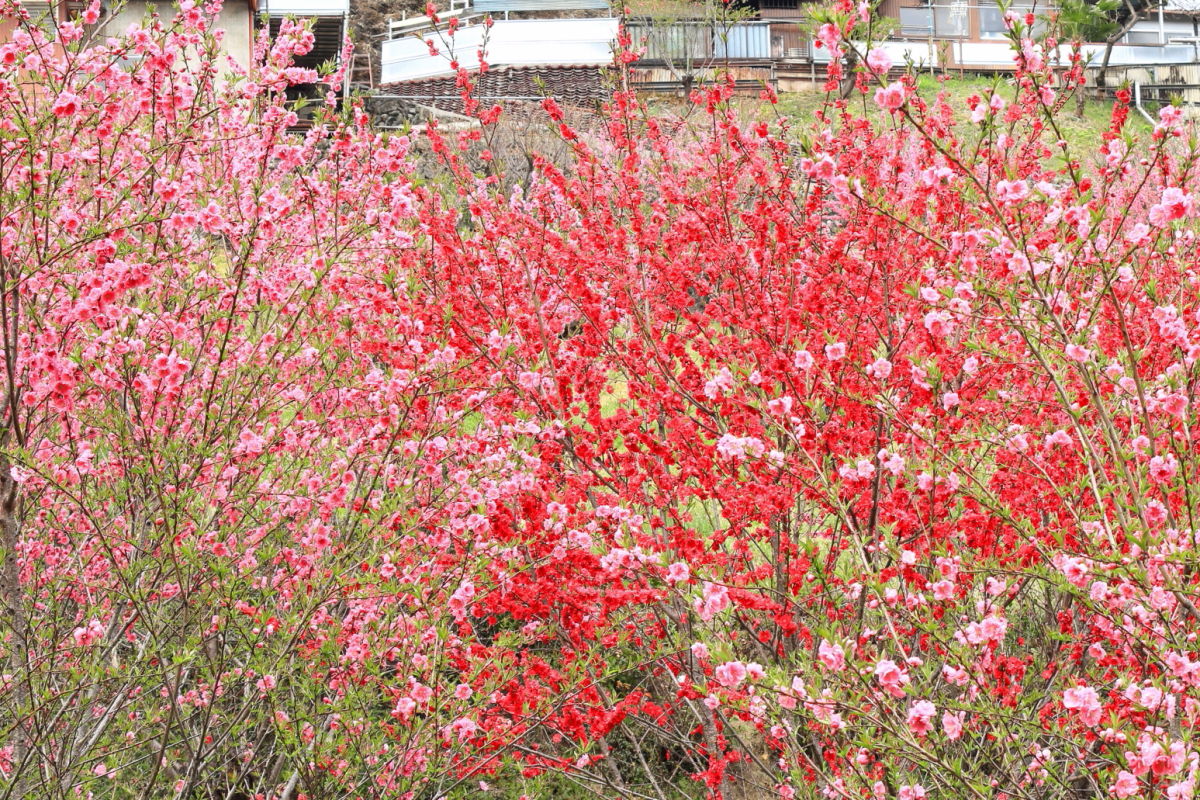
[{"x": 1083, "y": 135}]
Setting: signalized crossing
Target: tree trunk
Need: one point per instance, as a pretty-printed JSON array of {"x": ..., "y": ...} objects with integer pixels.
[
  {"x": 1110, "y": 42},
  {"x": 848, "y": 76},
  {"x": 16, "y": 620}
]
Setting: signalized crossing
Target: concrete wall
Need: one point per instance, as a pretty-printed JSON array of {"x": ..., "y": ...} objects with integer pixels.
[{"x": 236, "y": 20}]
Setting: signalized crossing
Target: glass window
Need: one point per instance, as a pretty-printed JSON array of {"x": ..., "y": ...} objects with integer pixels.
[
  {"x": 991, "y": 21},
  {"x": 1142, "y": 37},
  {"x": 950, "y": 19},
  {"x": 40, "y": 14},
  {"x": 916, "y": 21}
]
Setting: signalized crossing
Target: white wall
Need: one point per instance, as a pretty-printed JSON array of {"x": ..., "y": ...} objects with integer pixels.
[
  {"x": 1147, "y": 30},
  {"x": 919, "y": 53},
  {"x": 235, "y": 20},
  {"x": 531, "y": 41},
  {"x": 993, "y": 54},
  {"x": 304, "y": 8}
]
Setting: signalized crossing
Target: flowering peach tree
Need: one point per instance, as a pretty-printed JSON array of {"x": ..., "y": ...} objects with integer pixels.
[{"x": 842, "y": 458}]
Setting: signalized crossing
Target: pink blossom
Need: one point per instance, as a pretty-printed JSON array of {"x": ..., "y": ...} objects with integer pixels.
[
  {"x": 715, "y": 600},
  {"x": 938, "y": 323},
  {"x": 890, "y": 98},
  {"x": 780, "y": 406},
  {"x": 943, "y": 590},
  {"x": 952, "y": 724},
  {"x": 829, "y": 36},
  {"x": 66, "y": 105},
  {"x": 920, "y": 716},
  {"x": 954, "y": 675},
  {"x": 1009, "y": 192},
  {"x": 465, "y": 728},
  {"x": 1075, "y": 570},
  {"x": 879, "y": 61},
  {"x": 880, "y": 369},
  {"x": 1060, "y": 438},
  {"x": 730, "y": 674},
  {"x": 405, "y": 706},
  {"x": 1174, "y": 404},
  {"x": 88, "y": 634},
  {"x": 460, "y": 600},
  {"x": 892, "y": 677},
  {"x": 994, "y": 627},
  {"x": 1078, "y": 353},
  {"x": 738, "y": 448},
  {"x": 1163, "y": 468},
  {"x": 1085, "y": 701},
  {"x": 1175, "y": 204},
  {"x": 823, "y": 168},
  {"x": 832, "y": 656}
]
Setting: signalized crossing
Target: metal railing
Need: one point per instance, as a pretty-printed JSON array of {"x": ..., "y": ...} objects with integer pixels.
[{"x": 406, "y": 24}]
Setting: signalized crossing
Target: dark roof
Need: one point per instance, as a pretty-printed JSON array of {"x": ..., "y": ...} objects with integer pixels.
[{"x": 570, "y": 85}]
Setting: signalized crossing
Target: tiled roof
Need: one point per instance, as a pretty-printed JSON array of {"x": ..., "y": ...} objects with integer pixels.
[{"x": 579, "y": 86}]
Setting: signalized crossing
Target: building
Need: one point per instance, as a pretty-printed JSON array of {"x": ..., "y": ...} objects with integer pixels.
[
  {"x": 240, "y": 19},
  {"x": 772, "y": 42}
]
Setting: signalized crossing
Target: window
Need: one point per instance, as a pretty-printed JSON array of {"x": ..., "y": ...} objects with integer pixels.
[
  {"x": 950, "y": 19},
  {"x": 916, "y": 21},
  {"x": 991, "y": 20},
  {"x": 41, "y": 15},
  {"x": 1142, "y": 37}
]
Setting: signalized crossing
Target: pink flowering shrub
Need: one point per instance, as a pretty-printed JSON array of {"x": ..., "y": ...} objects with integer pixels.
[
  {"x": 851, "y": 461},
  {"x": 246, "y": 464}
]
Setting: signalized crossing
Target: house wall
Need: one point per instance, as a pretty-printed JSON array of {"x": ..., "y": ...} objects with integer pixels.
[
  {"x": 1146, "y": 31},
  {"x": 891, "y": 8},
  {"x": 920, "y": 53},
  {"x": 236, "y": 19},
  {"x": 991, "y": 55},
  {"x": 39, "y": 13},
  {"x": 783, "y": 9},
  {"x": 792, "y": 40}
]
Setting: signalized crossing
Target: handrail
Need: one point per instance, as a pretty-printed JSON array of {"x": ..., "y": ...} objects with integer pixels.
[{"x": 1137, "y": 101}]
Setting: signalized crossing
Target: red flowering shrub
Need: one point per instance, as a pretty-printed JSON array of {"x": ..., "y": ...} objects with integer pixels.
[{"x": 844, "y": 460}]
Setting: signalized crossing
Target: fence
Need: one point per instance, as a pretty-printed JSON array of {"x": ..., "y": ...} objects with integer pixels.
[
  {"x": 1160, "y": 84},
  {"x": 698, "y": 42}
]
